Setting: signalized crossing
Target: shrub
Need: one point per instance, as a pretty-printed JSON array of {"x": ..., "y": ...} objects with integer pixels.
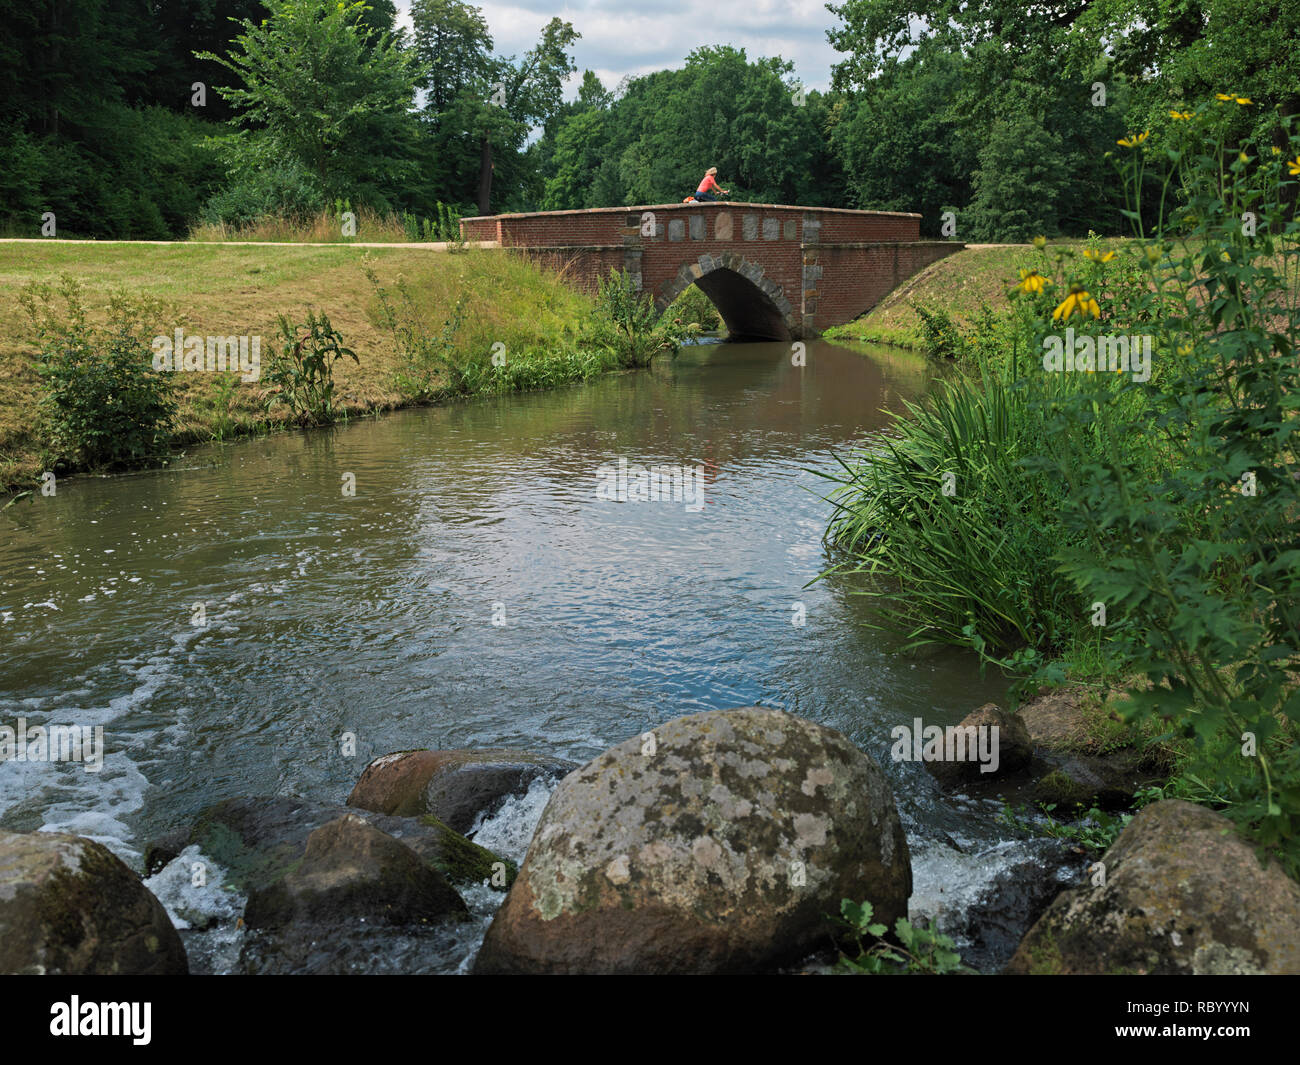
[
  {"x": 103, "y": 403},
  {"x": 693, "y": 307},
  {"x": 626, "y": 324}
]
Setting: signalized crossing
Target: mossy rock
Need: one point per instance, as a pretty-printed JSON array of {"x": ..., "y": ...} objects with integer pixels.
[
  {"x": 260, "y": 840},
  {"x": 462, "y": 860},
  {"x": 1064, "y": 790},
  {"x": 723, "y": 848},
  {"x": 1179, "y": 892},
  {"x": 69, "y": 906},
  {"x": 351, "y": 870}
]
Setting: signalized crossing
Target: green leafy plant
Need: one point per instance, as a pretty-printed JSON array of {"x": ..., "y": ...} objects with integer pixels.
[
  {"x": 301, "y": 373},
  {"x": 914, "y": 949},
  {"x": 433, "y": 364},
  {"x": 219, "y": 406},
  {"x": 939, "y": 333},
  {"x": 1193, "y": 538},
  {"x": 1091, "y": 829},
  {"x": 104, "y": 404},
  {"x": 693, "y": 307},
  {"x": 626, "y": 324}
]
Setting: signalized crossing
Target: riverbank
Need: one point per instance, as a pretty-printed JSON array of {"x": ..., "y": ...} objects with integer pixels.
[
  {"x": 1058, "y": 520},
  {"x": 959, "y": 285},
  {"x": 223, "y": 290}
]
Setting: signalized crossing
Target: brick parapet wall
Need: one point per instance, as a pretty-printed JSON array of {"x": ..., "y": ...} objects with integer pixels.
[{"x": 819, "y": 266}]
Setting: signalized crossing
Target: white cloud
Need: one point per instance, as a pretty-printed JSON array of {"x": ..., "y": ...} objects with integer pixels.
[{"x": 618, "y": 40}]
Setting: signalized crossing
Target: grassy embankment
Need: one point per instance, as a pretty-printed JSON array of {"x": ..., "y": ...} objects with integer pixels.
[
  {"x": 230, "y": 290},
  {"x": 958, "y": 285}
]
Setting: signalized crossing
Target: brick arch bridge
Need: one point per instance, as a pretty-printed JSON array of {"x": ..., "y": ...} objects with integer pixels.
[{"x": 773, "y": 271}]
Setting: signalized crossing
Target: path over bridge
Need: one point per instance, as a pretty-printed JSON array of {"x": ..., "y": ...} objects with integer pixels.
[{"x": 773, "y": 271}]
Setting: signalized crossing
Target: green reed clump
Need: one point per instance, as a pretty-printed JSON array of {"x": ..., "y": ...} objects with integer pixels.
[{"x": 960, "y": 539}]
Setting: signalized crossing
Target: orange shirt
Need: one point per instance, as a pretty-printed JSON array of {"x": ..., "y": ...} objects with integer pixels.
[{"x": 707, "y": 184}]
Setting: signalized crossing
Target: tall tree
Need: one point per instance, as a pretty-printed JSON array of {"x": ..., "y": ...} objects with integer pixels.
[{"x": 322, "y": 89}]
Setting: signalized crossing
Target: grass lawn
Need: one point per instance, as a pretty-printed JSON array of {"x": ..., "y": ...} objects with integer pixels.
[{"x": 240, "y": 290}]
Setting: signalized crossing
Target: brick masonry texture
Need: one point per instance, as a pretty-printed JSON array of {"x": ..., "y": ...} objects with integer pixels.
[{"x": 810, "y": 268}]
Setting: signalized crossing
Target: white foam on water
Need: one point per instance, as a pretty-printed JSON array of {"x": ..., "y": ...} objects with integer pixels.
[
  {"x": 509, "y": 830},
  {"x": 98, "y": 805},
  {"x": 191, "y": 905},
  {"x": 117, "y": 793}
]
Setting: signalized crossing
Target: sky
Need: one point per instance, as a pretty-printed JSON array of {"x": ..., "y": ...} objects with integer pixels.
[{"x": 621, "y": 38}]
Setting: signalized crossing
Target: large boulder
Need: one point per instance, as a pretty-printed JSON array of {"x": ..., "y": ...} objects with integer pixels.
[
  {"x": 258, "y": 839},
  {"x": 453, "y": 786},
  {"x": 1178, "y": 892},
  {"x": 69, "y": 906},
  {"x": 351, "y": 870},
  {"x": 721, "y": 842}
]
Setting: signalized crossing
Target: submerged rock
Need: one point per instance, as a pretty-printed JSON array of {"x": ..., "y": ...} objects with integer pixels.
[
  {"x": 454, "y": 786},
  {"x": 259, "y": 839},
  {"x": 69, "y": 906},
  {"x": 721, "y": 842},
  {"x": 1178, "y": 892},
  {"x": 351, "y": 870}
]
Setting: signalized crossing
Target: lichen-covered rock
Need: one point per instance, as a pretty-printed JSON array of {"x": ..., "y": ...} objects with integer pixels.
[
  {"x": 260, "y": 838},
  {"x": 454, "y": 786},
  {"x": 1013, "y": 750},
  {"x": 69, "y": 906},
  {"x": 721, "y": 842},
  {"x": 1178, "y": 892},
  {"x": 351, "y": 870}
]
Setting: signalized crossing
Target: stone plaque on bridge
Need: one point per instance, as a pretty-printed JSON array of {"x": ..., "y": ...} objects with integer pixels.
[
  {"x": 676, "y": 229},
  {"x": 750, "y": 225},
  {"x": 697, "y": 226},
  {"x": 771, "y": 229},
  {"x": 722, "y": 227},
  {"x": 791, "y": 229}
]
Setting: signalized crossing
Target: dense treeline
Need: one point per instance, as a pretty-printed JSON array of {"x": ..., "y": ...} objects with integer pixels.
[{"x": 139, "y": 118}]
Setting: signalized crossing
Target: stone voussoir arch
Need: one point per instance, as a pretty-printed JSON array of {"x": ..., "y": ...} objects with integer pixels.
[{"x": 728, "y": 279}]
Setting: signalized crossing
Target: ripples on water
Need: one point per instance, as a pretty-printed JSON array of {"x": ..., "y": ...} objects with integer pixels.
[{"x": 374, "y": 614}]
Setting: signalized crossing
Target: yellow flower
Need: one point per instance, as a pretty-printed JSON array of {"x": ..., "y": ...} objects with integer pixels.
[
  {"x": 1133, "y": 139},
  {"x": 1277, "y": 150},
  {"x": 1228, "y": 97},
  {"x": 1225, "y": 96},
  {"x": 1079, "y": 300},
  {"x": 1182, "y": 116},
  {"x": 1040, "y": 243},
  {"x": 1184, "y": 349},
  {"x": 1153, "y": 253},
  {"x": 1032, "y": 281},
  {"x": 1243, "y": 100},
  {"x": 1242, "y": 157},
  {"x": 1293, "y": 166},
  {"x": 1098, "y": 256}
]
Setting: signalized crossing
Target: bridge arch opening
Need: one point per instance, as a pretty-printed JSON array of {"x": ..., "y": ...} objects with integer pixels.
[{"x": 751, "y": 306}]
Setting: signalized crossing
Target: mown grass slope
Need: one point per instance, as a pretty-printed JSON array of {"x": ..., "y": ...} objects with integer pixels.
[{"x": 239, "y": 291}]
